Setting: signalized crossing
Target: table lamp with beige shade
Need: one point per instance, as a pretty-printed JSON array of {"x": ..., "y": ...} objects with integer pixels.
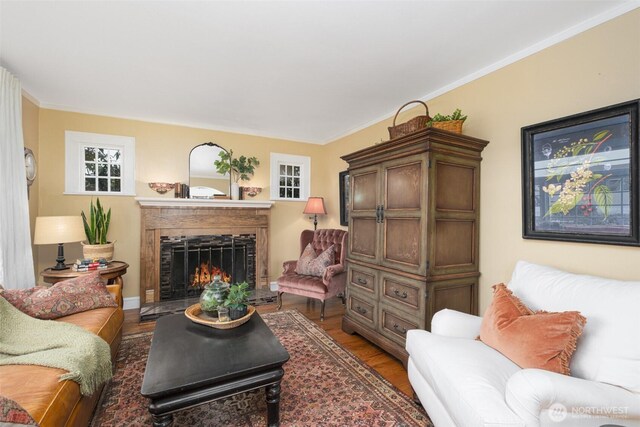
[
  {"x": 315, "y": 206},
  {"x": 58, "y": 230}
]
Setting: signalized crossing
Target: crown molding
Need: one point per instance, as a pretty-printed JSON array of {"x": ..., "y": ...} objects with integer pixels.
[{"x": 31, "y": 98}]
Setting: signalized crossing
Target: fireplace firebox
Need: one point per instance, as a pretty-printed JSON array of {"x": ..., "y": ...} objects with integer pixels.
[{"x": 188, "y": 263}]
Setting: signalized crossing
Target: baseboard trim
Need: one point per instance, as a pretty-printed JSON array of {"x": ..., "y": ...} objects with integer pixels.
[{"x": 130, "y": 303}]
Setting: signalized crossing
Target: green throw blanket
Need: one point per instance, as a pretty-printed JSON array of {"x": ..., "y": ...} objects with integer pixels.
[{"x": 25, "y": 340}]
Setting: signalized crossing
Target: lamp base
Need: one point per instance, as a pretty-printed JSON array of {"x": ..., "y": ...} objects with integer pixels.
[{"x": 60, "y": 259}]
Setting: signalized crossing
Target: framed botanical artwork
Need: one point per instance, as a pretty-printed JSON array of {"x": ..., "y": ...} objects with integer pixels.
[
  {"x": 344, "y": 197},
  {"x": 580, "y": 177}
]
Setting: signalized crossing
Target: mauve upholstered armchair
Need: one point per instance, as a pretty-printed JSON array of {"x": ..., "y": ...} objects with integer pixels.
[{"x": 333, "y": 281}]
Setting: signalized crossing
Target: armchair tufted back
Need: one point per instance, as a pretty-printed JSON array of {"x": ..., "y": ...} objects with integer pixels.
[{"x": 323, "y": 238}]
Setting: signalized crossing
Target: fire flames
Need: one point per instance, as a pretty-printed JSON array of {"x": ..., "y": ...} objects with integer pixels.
[{"x": 204, "y": 274}]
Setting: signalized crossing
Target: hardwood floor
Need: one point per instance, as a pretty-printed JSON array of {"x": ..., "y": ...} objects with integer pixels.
[{"x": 387, "y": 366}]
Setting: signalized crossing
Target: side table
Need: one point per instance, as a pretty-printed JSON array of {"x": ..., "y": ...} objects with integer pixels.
[{"x": 113, "y": 273}]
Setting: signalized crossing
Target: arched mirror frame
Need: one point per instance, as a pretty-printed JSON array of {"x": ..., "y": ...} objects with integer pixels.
[{"x": 212, "y": 145}]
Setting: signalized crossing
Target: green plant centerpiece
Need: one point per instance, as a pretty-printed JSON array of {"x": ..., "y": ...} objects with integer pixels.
[
  {"x": 96, "y": 227},
  {"x": 238, "y": 168},
  {"x": 237, "y": 300}
]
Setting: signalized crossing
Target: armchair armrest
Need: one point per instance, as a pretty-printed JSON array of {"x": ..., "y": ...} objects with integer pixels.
[
  {"x": 456, "y": 324},
  {"x": 331, "y": 271},
  {"x": 335, "y": 279},
  {"x": 541, "y": 397},
  {"x": 289, "y": 267},
  {"x": 116, "y": 293}
]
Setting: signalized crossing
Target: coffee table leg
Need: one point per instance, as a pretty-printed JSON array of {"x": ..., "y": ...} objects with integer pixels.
[
  {"x": 273, "y": 404},
  {"x": 162, "y": 420}
]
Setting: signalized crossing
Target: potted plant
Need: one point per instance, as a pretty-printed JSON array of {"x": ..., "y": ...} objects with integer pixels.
[
  {"x": 452, "y": 122},
  {"x": 239, "y": 168},
  {"x": 237, "y": 300},
  {"x": 96, "y": 228}
]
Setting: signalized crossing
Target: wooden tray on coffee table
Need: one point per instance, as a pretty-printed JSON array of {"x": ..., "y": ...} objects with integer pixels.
[{"x": 195, "y": 314}]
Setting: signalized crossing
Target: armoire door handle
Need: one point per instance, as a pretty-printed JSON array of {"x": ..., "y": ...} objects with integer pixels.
[{"x": 379, "y": 213}]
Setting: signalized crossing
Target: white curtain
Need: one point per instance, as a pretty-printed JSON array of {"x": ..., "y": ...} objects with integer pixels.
[{"x": 16, "y": 258}]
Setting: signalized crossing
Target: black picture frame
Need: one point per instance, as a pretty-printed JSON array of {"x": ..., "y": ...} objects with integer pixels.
[
  {"x": 344, "y": 197},
  {"x": 580, "y": 177}
]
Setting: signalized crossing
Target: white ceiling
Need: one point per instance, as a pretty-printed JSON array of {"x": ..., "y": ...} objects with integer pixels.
[{"x": 303, "y": 70}]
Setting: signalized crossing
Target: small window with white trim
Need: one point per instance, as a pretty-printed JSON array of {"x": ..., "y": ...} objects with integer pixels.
[
  {"x": 290, "y": 177},
  {"x": 99, "y": 164}
]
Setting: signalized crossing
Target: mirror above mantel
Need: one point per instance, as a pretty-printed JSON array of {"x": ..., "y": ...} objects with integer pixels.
[{"x": 204, "y": 180}]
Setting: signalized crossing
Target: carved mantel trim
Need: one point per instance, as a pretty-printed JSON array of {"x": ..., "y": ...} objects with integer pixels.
[{"x": 161, "y": 217}]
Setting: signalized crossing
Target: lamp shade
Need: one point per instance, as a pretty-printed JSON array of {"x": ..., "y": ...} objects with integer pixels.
[
  {"x": 315, "y": 205},
  {"x": 58, "y": 229}
]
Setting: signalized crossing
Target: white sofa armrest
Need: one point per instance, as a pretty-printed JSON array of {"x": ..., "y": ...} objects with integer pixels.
[
  {"x": 547, "y": 398},
  {"x": 456, "y": 324}
]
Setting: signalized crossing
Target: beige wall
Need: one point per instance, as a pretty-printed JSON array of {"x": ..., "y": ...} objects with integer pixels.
[
  {"x": 30, "y": 119},
  {"x": 594, "y": 69},
  {"x": 161, "y": 155}
]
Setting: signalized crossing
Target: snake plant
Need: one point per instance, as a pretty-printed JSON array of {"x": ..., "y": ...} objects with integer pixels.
[{"x": 97, "y": 226}]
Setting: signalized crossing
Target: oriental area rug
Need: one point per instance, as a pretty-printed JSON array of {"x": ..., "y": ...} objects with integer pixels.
[{"x": 323, "y": 385}]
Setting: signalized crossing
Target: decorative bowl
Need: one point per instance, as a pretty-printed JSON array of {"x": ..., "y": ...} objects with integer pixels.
[
  {"x": 252, "y": 191},
  {"x": 195, "y": 314}
]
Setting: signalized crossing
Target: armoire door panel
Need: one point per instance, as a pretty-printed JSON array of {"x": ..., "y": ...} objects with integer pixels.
[
  {"x": 365, "y": 190},
  {"x": 455, "y": 187},
  {"x": 403, "y": 186},
  {"x": 363, "y": 242},
  {"x": 403, "y": 243},
  {"x": 454, "y": 243},
  {"x": 454, "y": 297}
]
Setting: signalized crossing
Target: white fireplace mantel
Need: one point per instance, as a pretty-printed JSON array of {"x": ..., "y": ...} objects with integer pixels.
[{"x": 211, "y": 203}]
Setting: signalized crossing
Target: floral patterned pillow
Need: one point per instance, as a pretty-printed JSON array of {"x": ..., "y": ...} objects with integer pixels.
[
  {"x": 76, "y": 295},
  {"x": 311, "y": 264},
  {"x": 13, "y": 413}
]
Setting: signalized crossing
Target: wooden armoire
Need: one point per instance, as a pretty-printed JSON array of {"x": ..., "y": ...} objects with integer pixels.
[{"x": 413, "y": 234}]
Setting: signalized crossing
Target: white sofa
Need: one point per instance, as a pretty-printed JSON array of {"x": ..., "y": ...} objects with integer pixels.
[{"x": 462, "y": 382}]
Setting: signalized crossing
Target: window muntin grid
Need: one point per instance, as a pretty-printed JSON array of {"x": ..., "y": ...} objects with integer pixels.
[
  {"x": 102, "y": 169},
  {"x": 289, "y": 181}
]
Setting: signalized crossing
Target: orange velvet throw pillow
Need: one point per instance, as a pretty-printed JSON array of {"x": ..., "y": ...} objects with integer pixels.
[{"x": 531, "y": 340}]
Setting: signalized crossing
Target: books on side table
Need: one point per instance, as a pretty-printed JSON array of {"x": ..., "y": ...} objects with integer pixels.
[{"x": 89, "y": 264}]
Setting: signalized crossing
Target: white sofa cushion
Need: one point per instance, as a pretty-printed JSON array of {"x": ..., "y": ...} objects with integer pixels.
[
  {"x": 469, "y": 377},
  {"x": 536, "y": 396},
  {"x": 613, "y": 319}
]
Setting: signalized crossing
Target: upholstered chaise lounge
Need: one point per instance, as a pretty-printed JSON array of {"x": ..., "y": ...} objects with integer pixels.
[{"x": 333, "y": 281}]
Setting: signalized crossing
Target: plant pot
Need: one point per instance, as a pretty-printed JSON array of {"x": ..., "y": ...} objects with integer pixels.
[
  {"x": 236, "y": 313},
  {"x": 235, "y": 191},
  {"x": 98, "y": 251}
]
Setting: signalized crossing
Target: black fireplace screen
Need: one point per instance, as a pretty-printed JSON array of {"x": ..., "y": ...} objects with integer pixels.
[{"x": 188, "y": 263}]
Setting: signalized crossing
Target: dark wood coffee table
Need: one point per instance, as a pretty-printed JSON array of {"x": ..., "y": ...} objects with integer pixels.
[{"x": 191, "y": 364}]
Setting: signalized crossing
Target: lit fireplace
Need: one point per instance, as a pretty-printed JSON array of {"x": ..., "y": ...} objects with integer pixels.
[
  {"x": 188, "y": 263},
  {"x": 205, "y": 274}
]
